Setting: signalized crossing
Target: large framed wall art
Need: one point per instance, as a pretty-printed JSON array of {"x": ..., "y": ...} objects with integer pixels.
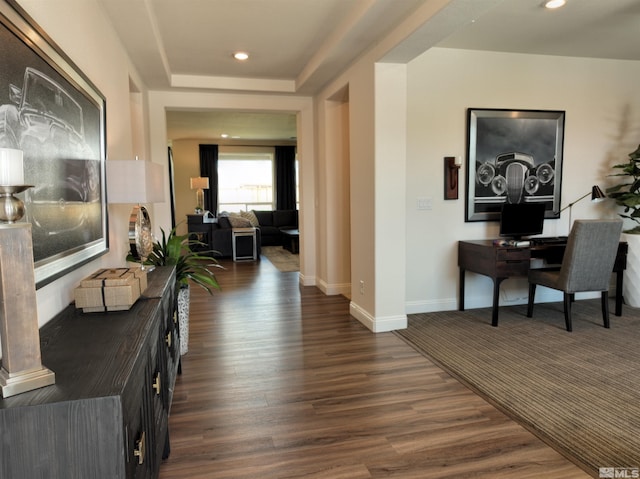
[
  {"x": 513, "y": 156},
  {"x": 56, "y": 116}
]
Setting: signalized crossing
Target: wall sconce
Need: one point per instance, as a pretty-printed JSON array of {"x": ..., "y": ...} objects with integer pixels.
[
  {"x": 451, "y": 167},
  {"x": 199, "y": 183},
  {"x": 22, "y": 368},
  {"x": 136, "y": 181}
]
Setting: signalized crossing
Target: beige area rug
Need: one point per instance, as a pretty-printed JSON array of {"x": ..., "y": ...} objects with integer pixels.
[
  {"x": 282, "y": 259},
  {"x": 579, "y": 391}
]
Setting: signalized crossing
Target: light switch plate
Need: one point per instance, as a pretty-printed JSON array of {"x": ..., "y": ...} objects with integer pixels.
[{"x": 425, "y": 203}]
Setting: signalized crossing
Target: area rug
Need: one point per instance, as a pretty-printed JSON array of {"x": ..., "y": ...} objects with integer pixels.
[
  {"x": 282, "y": 259},
  {"x": 579, "y": 392}
]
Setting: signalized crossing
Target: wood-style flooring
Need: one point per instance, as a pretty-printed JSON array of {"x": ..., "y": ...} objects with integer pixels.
[{"x": 280, "y": 382}]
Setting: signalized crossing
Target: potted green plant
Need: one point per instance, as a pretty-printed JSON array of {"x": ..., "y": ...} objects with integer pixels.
[
  {"x": 627, "y": 195},
  {"x": 191, "y": 266}
]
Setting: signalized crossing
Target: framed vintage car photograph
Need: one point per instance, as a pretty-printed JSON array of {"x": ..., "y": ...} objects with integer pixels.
[
  {"x": 53, "y": 113},
  {"x": 513, "y": 156}
]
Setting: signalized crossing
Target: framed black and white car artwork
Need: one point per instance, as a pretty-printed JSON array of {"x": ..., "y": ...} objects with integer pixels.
[
  {"x": 56, "y": 116},
  {"x": 513, "y": 156}
]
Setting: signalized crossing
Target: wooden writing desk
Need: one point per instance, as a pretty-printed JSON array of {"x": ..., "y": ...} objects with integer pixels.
[{"x": 503, "y": 262}]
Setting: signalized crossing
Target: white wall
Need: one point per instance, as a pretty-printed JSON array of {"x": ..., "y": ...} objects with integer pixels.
[
  {"x": 377, "y": 155},
  {"x": 602, "y": 103},
  {"x": 333, "y": 190},
  {"x": 83, "y": 32},
  {"x": 390, "y": 141},
  {"x": 377, "y": 115}
]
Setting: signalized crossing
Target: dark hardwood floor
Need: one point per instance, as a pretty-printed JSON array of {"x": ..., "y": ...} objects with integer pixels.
[{"x": 280, "y": 382}]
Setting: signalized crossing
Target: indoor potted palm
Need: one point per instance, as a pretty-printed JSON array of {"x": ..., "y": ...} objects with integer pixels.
[
  {"x": 627, "y": 195},
  {"x": 191, "y": 266}
]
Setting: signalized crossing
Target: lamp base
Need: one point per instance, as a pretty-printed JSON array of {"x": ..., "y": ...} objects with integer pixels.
[
  {"x": 22, "y": 369},
  {"x": 11, "y": 208},
  {"x": 140, "y": 237},
  {"x": 200, "y": 199},
  {"x": 17, "y": 383}
]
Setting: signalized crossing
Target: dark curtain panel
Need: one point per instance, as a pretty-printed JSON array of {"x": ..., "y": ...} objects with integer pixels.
[
  {"x": 209, "y": 169},
  {"x": 172, "y": 190},
  {"x": 285, "y": 157}
]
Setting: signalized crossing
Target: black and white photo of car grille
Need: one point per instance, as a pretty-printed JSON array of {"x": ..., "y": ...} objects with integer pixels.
[
  {"x": 515, "y": 182},
  {"x": 513, "y": 178}
]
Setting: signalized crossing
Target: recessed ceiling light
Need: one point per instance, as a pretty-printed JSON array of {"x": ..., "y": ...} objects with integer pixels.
[
  {"x": 554, "y": 3},
  {"x": 242, "y": 56},
  {"x": 224, "y": 135}
]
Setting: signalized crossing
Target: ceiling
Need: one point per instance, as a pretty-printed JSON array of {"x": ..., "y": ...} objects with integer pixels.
[{"x": 297, "y": 46}]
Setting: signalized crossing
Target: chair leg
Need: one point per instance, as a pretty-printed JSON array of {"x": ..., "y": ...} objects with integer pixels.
[
  {"x": 567, "y": 310},
  {"x": 605, "y": 308},
  {"x": 532, "y": 295}
]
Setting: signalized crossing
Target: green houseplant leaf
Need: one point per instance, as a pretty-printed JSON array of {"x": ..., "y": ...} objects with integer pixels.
[
  {"x": 175, "y": 250},
  {"x": 627, "y": 192}
]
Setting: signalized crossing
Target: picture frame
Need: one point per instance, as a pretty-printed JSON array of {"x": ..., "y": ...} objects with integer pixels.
[
  {"x": 57, "y": 117},
  {"x": 513, "y": 156}
]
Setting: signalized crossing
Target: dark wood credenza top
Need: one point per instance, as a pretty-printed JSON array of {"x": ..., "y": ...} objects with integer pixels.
[
  {"x": 92, "y": 354},
  {"x": 109, "y": 406}
]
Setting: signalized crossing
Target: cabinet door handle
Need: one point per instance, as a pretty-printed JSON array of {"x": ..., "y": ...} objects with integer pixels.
[
  {"x": 156, "y": 385},
  {"x": 140, "y": 449}
]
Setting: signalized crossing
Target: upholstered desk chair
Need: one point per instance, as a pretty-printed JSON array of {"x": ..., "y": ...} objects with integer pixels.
[{"x": 586, "y": 266}]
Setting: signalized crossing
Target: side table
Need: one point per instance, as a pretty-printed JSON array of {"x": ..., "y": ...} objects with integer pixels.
[
  {"x": 291, "y": 240},
  {"x": 244, "y": 233}
]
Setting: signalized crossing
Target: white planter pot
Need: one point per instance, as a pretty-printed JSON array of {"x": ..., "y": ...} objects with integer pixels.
[
  {"x": 631, "y": 289},
  {"x": 183, "y": 318}
]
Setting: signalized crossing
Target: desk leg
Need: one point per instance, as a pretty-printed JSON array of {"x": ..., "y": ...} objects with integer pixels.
[
  {"x": 461, "y": 291},
  {"x": 496, "y": 300},
  {"x": 619, "y": 276}
]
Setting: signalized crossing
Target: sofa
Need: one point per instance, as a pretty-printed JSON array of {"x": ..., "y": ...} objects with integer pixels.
[
  {"x": 271, "y": 223},
  {"x": 268, "y": 224}
]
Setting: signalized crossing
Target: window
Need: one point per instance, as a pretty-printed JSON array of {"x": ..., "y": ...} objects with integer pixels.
[{"x": 245, "y": 181}]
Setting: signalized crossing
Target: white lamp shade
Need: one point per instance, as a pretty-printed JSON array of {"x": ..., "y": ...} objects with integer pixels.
[
  {"x": 134, "y": 181},
  {"x": 199, "y": 183}
]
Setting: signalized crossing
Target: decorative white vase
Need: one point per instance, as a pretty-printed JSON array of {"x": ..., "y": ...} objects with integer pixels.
[
  {"x": 631, "y": 288},
  {"x": 183, "y": 318}
]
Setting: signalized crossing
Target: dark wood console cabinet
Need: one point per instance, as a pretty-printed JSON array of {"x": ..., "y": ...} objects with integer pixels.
[{"x": 107, "y": 414}]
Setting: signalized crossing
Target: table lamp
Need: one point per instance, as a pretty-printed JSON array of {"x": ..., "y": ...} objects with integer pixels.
[
  {"x": 22, "y": 368},
  {"x": 596, "y": 195},
  {"x": 136, "y": 181},
  {"x": 199, "y": 184}
]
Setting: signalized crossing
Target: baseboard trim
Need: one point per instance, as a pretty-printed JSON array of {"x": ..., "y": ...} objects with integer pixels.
[
  {"x": 415, "y": 307},
  {"x": 333, "y": 289},
  {"x": 307, "y": 280},
  {"x": 377, "y": 325}
]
